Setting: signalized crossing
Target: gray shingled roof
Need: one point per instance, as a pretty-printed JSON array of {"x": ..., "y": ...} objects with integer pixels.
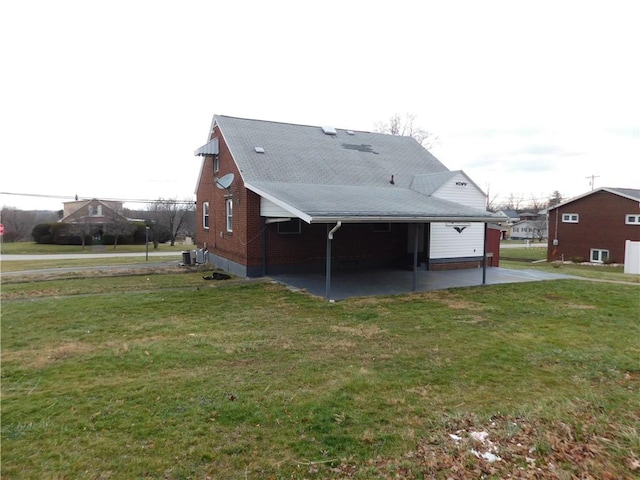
[
  {"x": 630, "y": 193},
  {"x": 345, "y": 176}
]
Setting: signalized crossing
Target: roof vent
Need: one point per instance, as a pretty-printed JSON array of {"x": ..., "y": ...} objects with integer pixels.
[
  {"x": 350, "y": 132},
  {"x": 329, "y": 130},
  {"x": 259, "y": 149}
]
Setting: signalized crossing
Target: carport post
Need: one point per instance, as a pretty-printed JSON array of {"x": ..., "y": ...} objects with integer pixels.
[
  {"x": 484, "y": 255},
  {"x": 328, "y": 267},
  {"x": 416, "y": 239},
  {"x": 264, "y": 246}
]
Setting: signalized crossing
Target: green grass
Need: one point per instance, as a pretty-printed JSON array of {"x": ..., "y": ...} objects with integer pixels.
[
  {"x": 32, "y": 248},
  {"x": 175, "y": 377},
  {"x": 532, "y": 254},
  {"x": 22, "y": 265}
]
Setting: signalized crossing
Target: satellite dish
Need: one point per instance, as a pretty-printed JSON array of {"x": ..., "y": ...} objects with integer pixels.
[{"x": 225, "y": 182}]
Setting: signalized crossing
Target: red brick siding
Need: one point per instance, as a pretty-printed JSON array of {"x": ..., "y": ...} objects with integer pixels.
[
  {"x": 216, "y": 238},
  {"x": 601, "y": 224},
  {"x": 352, "y": 243}
]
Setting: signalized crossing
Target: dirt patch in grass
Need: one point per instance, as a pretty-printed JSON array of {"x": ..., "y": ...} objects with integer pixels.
[
  {"x": 507, "y": 447},
  {"x": 580, "y": 307},
  {"x": 38, "y": 358},
  {"x": 363, "y": 331}
]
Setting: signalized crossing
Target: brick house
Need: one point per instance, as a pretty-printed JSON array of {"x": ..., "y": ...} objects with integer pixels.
[
  {"x": 96, "y": 215},
  {"x": 593, "y": 227},
  {"x": 277, "y": 198}
]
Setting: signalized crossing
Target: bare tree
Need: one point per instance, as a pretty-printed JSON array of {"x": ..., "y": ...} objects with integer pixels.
[
  {"x": 406, "y": 127},
  {"x": 82, "y": 228},
  {"x": 17, "y": 223},
  {"x": 171, "y": 214},
  {"x": 537, "y": 204},
  {"x": 540, "y": 228},
  {"x": 119, "y": 226},
  {"x": 514, "y": 202},
  {"x": 492, "y": 206}
]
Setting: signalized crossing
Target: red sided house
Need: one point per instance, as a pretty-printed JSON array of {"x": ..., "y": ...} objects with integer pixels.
[
  {"x": 593, "y": 227},
  {"x": 278, "y": 198}
]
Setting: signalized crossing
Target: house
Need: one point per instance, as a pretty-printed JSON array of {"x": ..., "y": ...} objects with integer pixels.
[
  {"x": 94, "y": 216},
  {"x": 530, "y": 229},
  {"x": 594, "y": 226},
  {"x": 509, "y": 217},
  {"x": 278, "y": 198}
]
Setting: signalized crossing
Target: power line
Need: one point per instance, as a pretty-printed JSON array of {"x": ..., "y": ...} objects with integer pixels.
[
  {"x": 593, "y": 180},
  {"x": 75, "y": 197}
]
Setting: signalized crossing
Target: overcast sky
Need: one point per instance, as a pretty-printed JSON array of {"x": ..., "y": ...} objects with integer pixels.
[{"x": 110, "y": 99}]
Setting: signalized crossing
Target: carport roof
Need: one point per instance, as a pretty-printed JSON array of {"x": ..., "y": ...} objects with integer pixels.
[
  {"x": 315, "y": 203},
  {"x": 322, "y": 174}
]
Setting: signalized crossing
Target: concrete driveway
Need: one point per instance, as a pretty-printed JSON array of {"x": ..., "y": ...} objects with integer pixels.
[{"x": 379, "y": 282}]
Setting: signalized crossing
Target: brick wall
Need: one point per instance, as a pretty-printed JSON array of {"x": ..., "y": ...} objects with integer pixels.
[
  {"x": 231, "y": 245},
  {"x": 353, "y": 245},
  {"x": 601, "y": 224}
]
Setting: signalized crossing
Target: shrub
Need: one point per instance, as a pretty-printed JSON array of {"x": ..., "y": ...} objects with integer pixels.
[
  {"x": 42, "y": 230},
  {"x": 578, "y": 259}
]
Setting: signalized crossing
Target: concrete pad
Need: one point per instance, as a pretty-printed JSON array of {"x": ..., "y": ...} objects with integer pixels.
[{"x": 380, "y": 282}]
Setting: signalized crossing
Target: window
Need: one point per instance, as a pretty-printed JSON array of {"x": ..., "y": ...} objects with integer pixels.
[
  {"x": 229, "y": 211},
  {"x": 382, "y": 227},
  {"x": 570, "y": 218},
  {"x": 599, "y": 256},
  {"x": 291, "y": 227},
  {"x": 216, "y": 164},
  {"x": 632, "y": 220},
  {"x": 95, "y": 210},
  {"x": 205, "y": 215}
]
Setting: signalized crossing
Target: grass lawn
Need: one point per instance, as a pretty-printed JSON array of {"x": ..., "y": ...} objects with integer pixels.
[
  {"x": 32, "y": 248},
  {"x": 172, "y": 377}
]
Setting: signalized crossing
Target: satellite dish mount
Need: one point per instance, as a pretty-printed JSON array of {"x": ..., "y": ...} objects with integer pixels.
[{"x": 225, "y": 182}]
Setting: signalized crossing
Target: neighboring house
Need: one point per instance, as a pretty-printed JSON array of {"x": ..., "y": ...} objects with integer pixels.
[
  {"x": 593, "y": 227},
  {"x": 530, "y": 229},
  {"x": 96, "y": 215},
  {"x": 277, "y": 197},
  {"x": 509, "y": 218}
]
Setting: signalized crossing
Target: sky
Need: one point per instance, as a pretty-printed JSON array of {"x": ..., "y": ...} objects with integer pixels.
[{"x": 110, "y": 99}]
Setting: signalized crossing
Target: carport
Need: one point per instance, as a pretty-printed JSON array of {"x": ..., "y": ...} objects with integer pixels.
[
  {"x": 382, "y": 282},
  {"x": 415, "y": 222}
]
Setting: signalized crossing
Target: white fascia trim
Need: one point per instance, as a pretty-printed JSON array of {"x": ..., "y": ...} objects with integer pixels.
[
  {"x": 400, "y": 219},
  {"x": 294, "y": 211}
]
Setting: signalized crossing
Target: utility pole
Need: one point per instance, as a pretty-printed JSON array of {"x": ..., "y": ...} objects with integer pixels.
[{"x": 593, "y": 180}]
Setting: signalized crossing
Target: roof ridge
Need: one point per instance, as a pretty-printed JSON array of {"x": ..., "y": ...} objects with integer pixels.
[{"x": 295, "y": 124}]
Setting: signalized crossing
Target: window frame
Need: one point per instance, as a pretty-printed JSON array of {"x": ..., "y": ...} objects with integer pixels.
[
  {"x": 599, "y": 252},
  {"x": 293, "y": 231},
  {"x": 629, "y": 216},
  {"x": 228, "y": 211},
  {"x": 216, "y": 163},
  {"x": 205, "y": 215},
  {"x": 568, "y": 218}
]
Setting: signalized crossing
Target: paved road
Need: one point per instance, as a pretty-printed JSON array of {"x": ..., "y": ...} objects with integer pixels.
[{"x": 73, "y": 256}]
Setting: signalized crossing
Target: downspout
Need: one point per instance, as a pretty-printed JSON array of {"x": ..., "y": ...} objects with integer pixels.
[
  {"x": 484, "y": 255},
  {"x": 328, "y": 267}
]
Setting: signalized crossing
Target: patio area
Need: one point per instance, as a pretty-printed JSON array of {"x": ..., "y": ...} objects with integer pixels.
[{"x": 380, "y": 282}]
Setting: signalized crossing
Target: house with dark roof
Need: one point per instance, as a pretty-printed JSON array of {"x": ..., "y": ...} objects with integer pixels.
[
  {"x": 594, "y": 226},
  {"x": 278, "y": 198}
]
